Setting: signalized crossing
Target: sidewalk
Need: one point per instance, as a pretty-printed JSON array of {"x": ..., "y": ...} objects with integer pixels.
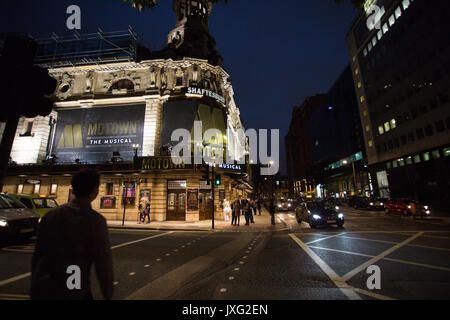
[{"x": 262, "y": 223}]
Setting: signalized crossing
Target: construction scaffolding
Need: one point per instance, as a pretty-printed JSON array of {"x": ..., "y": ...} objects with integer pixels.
[{"x": 94, "y": 48}]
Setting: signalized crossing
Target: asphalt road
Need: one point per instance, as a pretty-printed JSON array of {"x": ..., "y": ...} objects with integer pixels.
[{"x": 294, "y": 263}]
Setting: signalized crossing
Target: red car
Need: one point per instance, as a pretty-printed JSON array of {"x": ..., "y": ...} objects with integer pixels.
[{"x": 406, "y": 207}]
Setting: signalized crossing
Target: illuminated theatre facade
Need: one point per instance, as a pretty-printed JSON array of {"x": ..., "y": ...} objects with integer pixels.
[{"x": 118, "y": 117}]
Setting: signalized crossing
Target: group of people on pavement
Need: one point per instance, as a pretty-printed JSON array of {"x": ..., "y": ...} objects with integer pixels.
[{"x": 242, "y": 206}]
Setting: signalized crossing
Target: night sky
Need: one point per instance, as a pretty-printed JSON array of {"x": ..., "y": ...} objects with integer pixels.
[{"x": 277, "y": 52}]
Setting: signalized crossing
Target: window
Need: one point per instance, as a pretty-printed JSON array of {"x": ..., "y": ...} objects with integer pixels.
[
  {"x": 27, "y": 203},
  {"x": 446, "y": 152},
  {"x": 370, "y": 143},
  {"x": 386, "y": 127},
  {"x": 27, "y": 128},
  {"x": 369, "y": 46},
  {"x": 420, "y": 134},
  {"x": 365, "y": 112},
  {"x": 417, "y": 158},
  {"x": 426, "y": 156},
  {"x": 429, "y": 131},
  {"x": 380, "y": 130},
  {"x": 409, "y": 160},
  {"x": 359, "y": 84},
  {"x": 391, "y": 20},
  {"x": 404, "y": 139},
  {"x": 109, "y": 189},
  {"x": 37, "y": 187},
  {"x": 367, "y": 128},
  {"x": 411, "y": 136},
  {"x": 405, "y": 4},
  {"x": 374, "y": 41},
  {"x": 361, "y": 99},
  {"x": 440, "y": 126},
  {"x": 385, "y": 28},
  {"x": 388, "y": 165},
  {"x": 365, "y": 52},
  {"x": 396, "y": 143},
  {"x": 53, "y": 188},
  {"x": 356, "y": 71},
  {"x": 435, "y": 154},
  {"x": 401, "y": 162},
  {"x": 19, "y": 189},
  {"x": 394, "y": 164},
  {"x": 380, "y": 35},
  {"x": 354, "y": 58},
  {"x": 398, "y": 12},
  {"x": 393, "y": 124}
]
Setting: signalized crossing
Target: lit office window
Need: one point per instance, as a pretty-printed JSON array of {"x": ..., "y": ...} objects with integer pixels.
[
  {"x": 426, "y": 156},
  {"x": 362, "y": 99},
  {"x": 367, "y": 128},
  {"x": 398, "y": 12},
  {"x": 385, "y": 28},
  {"x": 365, "y": 52},
  {"x": 354, "y": 58},
  {"x": 388, "y": 165},
  {"x": 370, "y": 143},
  {"x": 435, "y": 154},
  {"x": 393, "y": 124},
  {"x": 394, "y": 164},
  {"x": 369, "y": 46},
  {"x": 391, "y": 20},
  {"x": 374, "y": 41},
  {"x": 386, "y": 127},
  {"x": 380, "y": 35},
  {"x": 405, "y": 4},
  {"x": 365, "y": 112},
  {"x": 19, "y": 188},
  {"x": 380, "y": 130},
  {"x": 401, "y": 162},
  {"x": 409, "y": 160},
  {"x": 359, "y": 84},
  {"x": 417, "y": 158},
  {"x": 446, "y": 152},
  {"x": 356, "y": 71}
]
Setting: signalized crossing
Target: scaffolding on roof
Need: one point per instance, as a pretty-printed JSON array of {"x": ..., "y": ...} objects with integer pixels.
[{"x": 94, "y": 48}]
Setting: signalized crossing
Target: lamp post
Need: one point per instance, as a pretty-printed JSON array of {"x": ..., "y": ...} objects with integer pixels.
[
  {"x": 354, "y": 173},
  {"x": 136, "y": 148}
]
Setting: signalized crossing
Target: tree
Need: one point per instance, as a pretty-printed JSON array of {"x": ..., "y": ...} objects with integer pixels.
[{"x": 150, "y": 4}]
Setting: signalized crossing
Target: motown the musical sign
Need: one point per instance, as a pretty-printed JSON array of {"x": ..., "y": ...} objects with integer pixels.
[{"x": 158, "y": 163}]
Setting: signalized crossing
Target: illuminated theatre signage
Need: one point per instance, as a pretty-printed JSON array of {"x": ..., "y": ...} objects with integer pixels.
[
  {"x": 158, "y": 163},
  {"x": 92, "y": 135},
  {"x": 206, "y": 93}
]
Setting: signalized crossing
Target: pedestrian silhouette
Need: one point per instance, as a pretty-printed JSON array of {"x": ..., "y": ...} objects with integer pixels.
[{"x": 70, "y": 239}]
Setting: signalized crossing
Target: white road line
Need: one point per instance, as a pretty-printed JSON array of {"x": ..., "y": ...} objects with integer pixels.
[
  {"x": 140, "y": 240},
  {"x": 342, "y": 285},
  {"x": 26, "y": 275},
  {"x": 329, "y": 237},
  {"x": 372, "y": 261}
]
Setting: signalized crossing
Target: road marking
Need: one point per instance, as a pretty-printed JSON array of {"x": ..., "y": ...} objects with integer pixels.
[
  {"x": 342, "y": 285},
  {"x": 373, "y": 294},
  {"x": 329, "y": 237},
  {"x": 140, "y": 240},
  {"x": 385, "y": 253},
  {"x": 16, "y": 278},
  {"x": 429, "y": 266},
  {"x": 393, "y": 242},
  {"x": 14, "y": 297}
]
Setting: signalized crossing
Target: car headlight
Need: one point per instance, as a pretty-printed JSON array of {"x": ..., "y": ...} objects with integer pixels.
[
  {"x": 337, "y": 208},
  {"x": 341, "y": 216},
  {"x": 316, "y": 217},
  {"x": 3, "y": 223}
]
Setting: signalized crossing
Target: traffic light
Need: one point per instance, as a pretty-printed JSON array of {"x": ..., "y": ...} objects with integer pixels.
[
  {"x": 218, "y": 180},
  {"x": 206, "y": 175}
]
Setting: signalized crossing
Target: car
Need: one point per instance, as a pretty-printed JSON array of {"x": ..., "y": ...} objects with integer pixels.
[
  {"x": 283, "y": 205},
  {"x": 319, "y": 213},
  {"x": 16, "y": 221},
  {"x": 367, "y": 203},
  {"x": 406, "y": 207},
  {"x": 39, "y": 204}
]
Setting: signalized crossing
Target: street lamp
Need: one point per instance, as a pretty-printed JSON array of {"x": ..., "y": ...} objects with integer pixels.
[
  {"x": 345, "y": 162},
  {"x": 136, "y": 148}
]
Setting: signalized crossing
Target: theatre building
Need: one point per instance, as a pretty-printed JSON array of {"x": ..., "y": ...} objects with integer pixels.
[{"x": 116, "y": 107}]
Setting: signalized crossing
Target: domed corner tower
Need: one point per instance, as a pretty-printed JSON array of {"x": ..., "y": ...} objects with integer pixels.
[{"x": 191, "y": 38}]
